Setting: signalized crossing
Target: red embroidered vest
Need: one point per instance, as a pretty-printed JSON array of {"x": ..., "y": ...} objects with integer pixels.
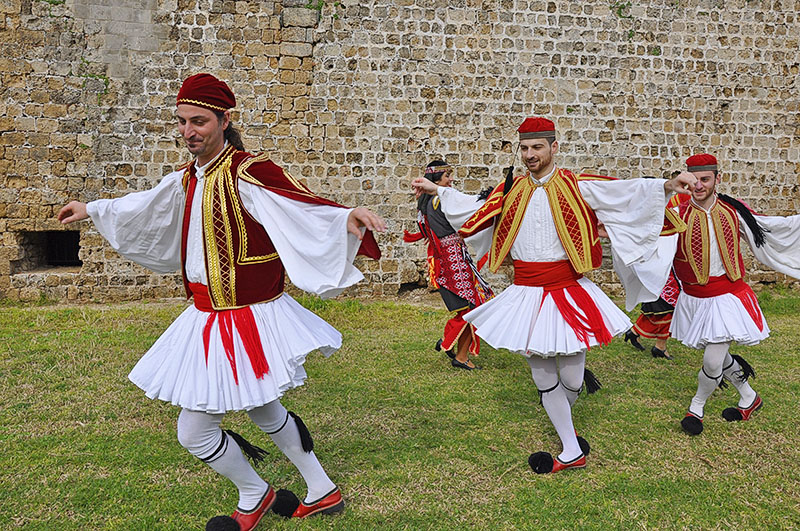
[
  {"x": 242, "y": 265},
  {"x": 576, "y": 223},
  {"x": 692, "y": 259}
]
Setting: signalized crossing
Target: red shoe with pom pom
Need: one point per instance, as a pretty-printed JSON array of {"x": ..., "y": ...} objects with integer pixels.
[
  {"x": 331, "y": 503},
  {"x": 737, "y": 413},
  {"x": 558, "y": 466},
  {"x": 248, "y": 520}
]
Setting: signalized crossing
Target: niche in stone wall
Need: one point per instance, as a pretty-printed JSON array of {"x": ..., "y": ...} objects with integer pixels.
[{"x": 46, "y": 250}]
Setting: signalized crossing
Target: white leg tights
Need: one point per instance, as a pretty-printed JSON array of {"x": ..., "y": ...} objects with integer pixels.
[
  {"x": 556, "y": 402},
  {"x": 200, "y": 434},
  {"x": 709, "y": 376},
  {"x": 570, "y": 373},
  {"x": 275, "y": 420}
]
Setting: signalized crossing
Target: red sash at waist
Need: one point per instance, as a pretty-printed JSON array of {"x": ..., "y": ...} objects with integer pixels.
[
  {"x": 714, "y": 287},
  {"x": 721, "y": 285},
  {"x": 559, "y": 279},
  {"x": 245, "y": 324},
  {"x": 202, "y": 300},
  {"x": 547, "y": 275}
]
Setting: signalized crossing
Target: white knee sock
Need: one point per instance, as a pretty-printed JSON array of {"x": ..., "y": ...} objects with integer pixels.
[
  {"x": 199, "y": 433},
  {"x": 276, "y": 421},
  {"x": 556, "y": 404},
  {"x": 570, "y": 374},
  {"x": 733, "y": 373},
  {"x": 709, "y": 376}
]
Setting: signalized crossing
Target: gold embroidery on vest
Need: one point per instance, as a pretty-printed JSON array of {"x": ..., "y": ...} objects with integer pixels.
[
  {"x": 515, "y": 205},
  {"x": 263, "y": 157},
  {"x": 697, "y": 231},
  {"x": 491, "y": 208},
  {"x": 218, "y": 235},
  {"x": 678, "y": 225},
  {"x": 562, "y": 194},
  {"x": 238, "y": 214},
  {"x": 728, "y": 245}
]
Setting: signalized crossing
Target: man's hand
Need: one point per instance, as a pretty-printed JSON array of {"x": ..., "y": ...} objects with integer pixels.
[
  {"x": 683, "y": 183},
  {"x": 73, "y": 211},
  {"x": 422, "y": 185},
  {"x": 363, "y": 217},
  {"x": 601, "y": 230}
]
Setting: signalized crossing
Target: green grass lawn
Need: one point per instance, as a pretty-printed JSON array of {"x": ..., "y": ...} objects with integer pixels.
[{"x": 412, "y": 442}]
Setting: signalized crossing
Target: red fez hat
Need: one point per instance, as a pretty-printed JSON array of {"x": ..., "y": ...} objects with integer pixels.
[
  {"x": 537, "y": 128},
  {"x": 701, "y": 162},
  {"x": 204, "y": 90}
]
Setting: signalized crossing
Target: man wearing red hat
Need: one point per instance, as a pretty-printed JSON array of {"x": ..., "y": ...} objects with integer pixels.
[
  {"x": 547, "y": 221},
  {"x": 716, "y": 306},
  {"x": 233, "y": 223}
]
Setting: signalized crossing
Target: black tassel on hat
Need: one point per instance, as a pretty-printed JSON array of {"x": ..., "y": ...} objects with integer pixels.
[
  {"x": 483, "y": 195},
  {"x": 591, "y": 381},
  {"x": 759, "y": 232},
  {"x": 305, "y": 436},
  {"x": 509, "y": 179},
  {"x": 252, "y": 451}
]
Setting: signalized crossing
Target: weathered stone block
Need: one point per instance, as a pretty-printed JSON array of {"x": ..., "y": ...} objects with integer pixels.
[
  {"x": 299, "y": 16},
  {"x": 297, "y": 49}
]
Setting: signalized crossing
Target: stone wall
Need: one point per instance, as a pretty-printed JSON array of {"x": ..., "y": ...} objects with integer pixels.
[{"x": 357, "y": 97}]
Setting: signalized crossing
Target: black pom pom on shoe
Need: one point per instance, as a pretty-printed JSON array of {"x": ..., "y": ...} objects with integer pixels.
[
  {"x": 222, "y": 523},
  {"x": 731, "y": 414},
  {"x": 541, "y": 462},
  {"x": 285, "y": 503},
  {"x": 692, "y": 425}
]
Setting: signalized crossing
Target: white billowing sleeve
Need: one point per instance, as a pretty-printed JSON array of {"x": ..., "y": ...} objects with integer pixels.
[
  {"x": 458, "y": 207},
  {"x": 145, "y": 227},
  {"x": 312, "y": 240},
  {"x": 781, "y": 251},
  {"x": 644, "y": 280},
  {"x": 632, "y": 211}
]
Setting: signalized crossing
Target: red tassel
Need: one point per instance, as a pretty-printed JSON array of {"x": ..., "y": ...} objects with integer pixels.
[
  {"x": 592, "y": 323},
  {"x": 750, "y": 303},
  {"x": 226, "y": 334},
  {"x": 246, "y": 325}
]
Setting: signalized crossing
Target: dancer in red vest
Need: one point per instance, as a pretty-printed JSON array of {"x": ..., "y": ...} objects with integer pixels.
[
  {"x": 547, "y": 221},
  {"x": 716, "y": 307},
  {"x": 450, "y": 267},
  {"x": 233, "y": 223}
]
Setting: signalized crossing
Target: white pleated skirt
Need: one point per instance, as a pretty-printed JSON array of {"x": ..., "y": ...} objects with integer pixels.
[
  {"x": 699, "y": 321},
  {"x": 520, "y": 321},
  {"x": 174, "y": 369}
]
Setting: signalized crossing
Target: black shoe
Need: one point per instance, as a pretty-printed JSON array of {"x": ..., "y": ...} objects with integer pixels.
[
  {"x": 455, "y": 363},
  {"x": 450, "y": 353},
  {"x": 633, "y": 338},
  {"x": 658, "y": 353}
]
